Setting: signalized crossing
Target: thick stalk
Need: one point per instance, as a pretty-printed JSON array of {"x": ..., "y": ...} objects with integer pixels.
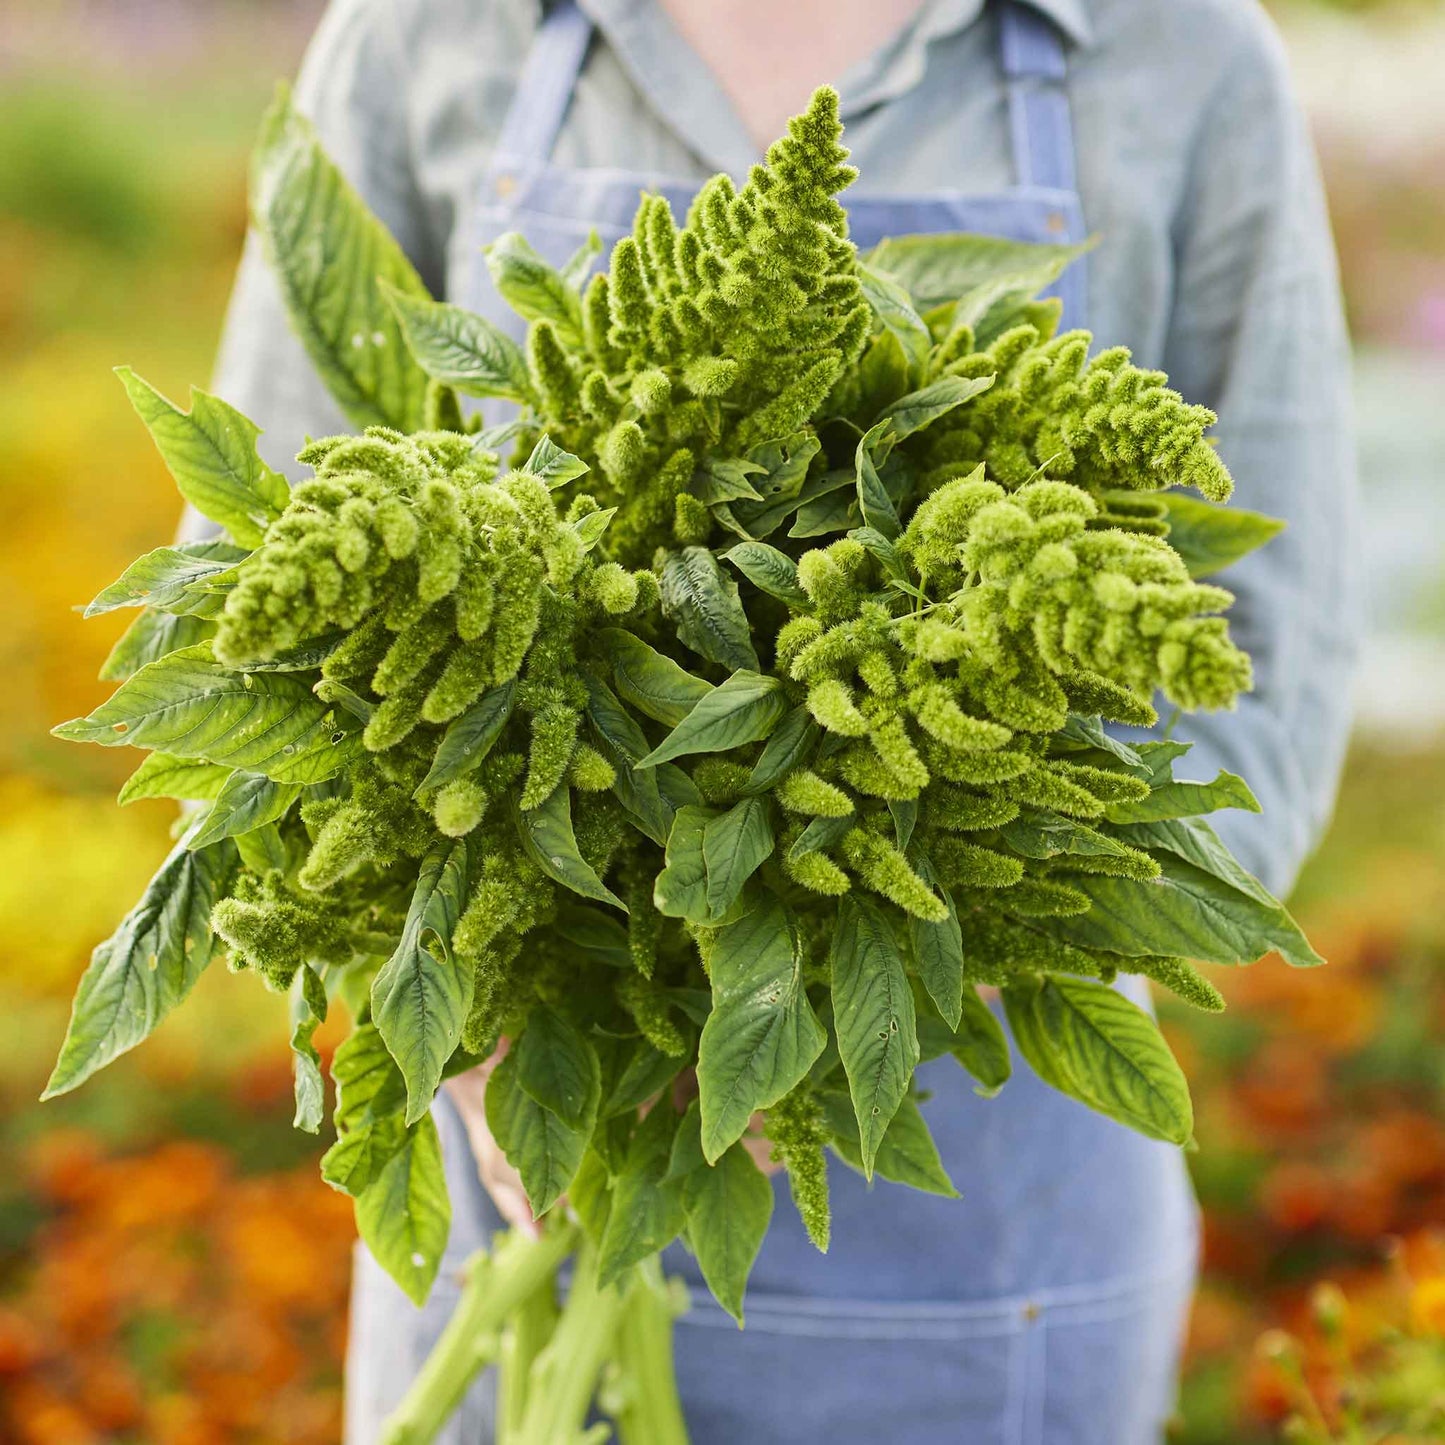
[
  {"x": 525, "y": 1337},
  {"x": 496, "y": 1285},
  {"x": 564, "y": 1376},
  {"x": 648, "y": 1411}
]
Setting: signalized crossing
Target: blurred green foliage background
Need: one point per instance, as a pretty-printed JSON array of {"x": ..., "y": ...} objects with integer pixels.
[{"x": 172, "y": 1272}]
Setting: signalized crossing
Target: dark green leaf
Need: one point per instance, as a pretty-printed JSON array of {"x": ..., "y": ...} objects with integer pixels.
[
  {"x": 893, "y": 307},
  {"x": 171, "y": 579},
  {"x": 769, "y": 570},
  {"x": 162, "y": 776},
  {"x": 873, "y": 1016},
  {"x": 744, "y": 709},
  {"x": 558, "y": 1069},
  {"x": 681, "y": 887},
  {"x": 532, "y": 288},
  {"x": 725, "y": 479},
  {"x": 873, "y": 499},
  {"x": 787, "y": 748},
  {"x": 907, "y": 1153},
  {"x": 1104, "y": 1051},
  {"x": 461, "y": 349},
  {"x": 420, "y": 998},
  {"x": 919, "y": 409},
  {"x": 762, "y": 1035},
  {"x": 1186, "y": 912},
  {"x": 404, "y": 1215},
  {"x": 211, "y": 452},
  {"x": 1178, "y": 799},
  {"x": 1048, "y": 835},
  {"x": 152, "y": 635},
  {"x": 652, "y": 683},
  {"x": 734, "y": 847},
  {"x": 1196, "y": 842},
  {"x": 623, "y": 743},
  {"x": 546, "y": 832},
  {"x": 329, "y": 254},
  {"x": 938, "y": 955},
  {"x": 702, "y": 604},
  {"x": 147, "y": 966},
  {"x": 189, "y": 705},
  {"x": 555, "y": 467},
  {"x": 1210, "y": 537},
  {"x": 247, "y": 801},
  {"x": 308, "y": 1012},
  {"x": 538, "y": 1145},
  {"x": 729, "y": 1206},
  {"x": 820, "y": 834},
  {"x": 644, "y": 1073},
  {"x": 470, "y": 737},
  {"x": 647, "y": 1209}
]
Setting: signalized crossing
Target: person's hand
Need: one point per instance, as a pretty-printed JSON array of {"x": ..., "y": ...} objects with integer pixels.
[{"x": 503, "y": 1184}]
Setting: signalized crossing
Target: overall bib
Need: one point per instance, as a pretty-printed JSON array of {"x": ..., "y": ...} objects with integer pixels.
[{"x": 1044, "y": 1307}]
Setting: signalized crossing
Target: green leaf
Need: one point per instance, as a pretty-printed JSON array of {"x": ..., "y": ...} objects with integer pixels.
[
  {"x": 420, "y": 998},
  {"x": 782, "y": 482},
  {"x": 894, "y": 308},
  {"x": 470, "y": 737},
  {"x": 744, "y": 709},
  {"x": 906, "y": 1154},
  {"x": 762, "y": 1035},
  {"x": 172, "y": 579},
  {"x": 532, "y": 288},
  {"x": 729, "y": 1207},
  {"x": 770, "y": 571},
  {"x": 329, "y": 255},
  {"x": 247, "y": 801},
  {"x": 1088, "y": 732},
  {"x": 191, "y": 706},
  {"x": 576, "y": 270},
  {"x": 652, "y": 683},
  {"x": 873, "y": 499},
  {"x": 681, "y": 888},
  {"x": 590, "y": 529},
  {"x": 555, "y": 467},
  {"x": 874, "y": 1018},
  {"x": 919, "y": 409},
  {"x": 263, "y": 850},
  {"x": 147, "y": 966},
  {"x": 459, "y": 348},
  {"x": 725, "y": 479},
  {"x": 404, "y": 1215},
  {"x": 936, "y": 268},
  {"x": 734, "y": 847},
  {"x": 1186, "y": 912},
  {"x": 644, "y": 1073},
  {"x": 1047, "y": 835},
  {"x": 938, "y": 955},
  {"x": 304, "y": 657},
  {"x": 308, "y": 1012},
  {"x": 152, "y": 635},
  {"x": 558, "y": 1069},
  {"x": 787, "y": 748},
  {"x": 821, "y": 834},
  {"x": 596, "y": 933},
  {"x": 539, "y": 1146},
  {"x": 211, "y": 452},
  {"x": 547, "y": 835},
  {"x": 1104, "y": 1051},
  {"x": 647, "y": 1208},
  {"x": 1210, "y": 537},
  {"x": 162, "y": 776},
  {"x": 1178, "y": 799},
  {"x": 624, "y": 743},
  {"x": 370, "y": 1100},
  {"x": 702, "y": 605}
]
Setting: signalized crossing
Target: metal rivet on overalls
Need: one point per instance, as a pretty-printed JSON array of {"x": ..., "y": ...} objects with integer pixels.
[
  {"x": 1031, "y": 1312},
  {"x": 506, "y": 184},
  {"x": 1057, "y": 222}
]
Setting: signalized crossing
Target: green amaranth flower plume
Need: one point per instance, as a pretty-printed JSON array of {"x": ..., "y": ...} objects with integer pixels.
[{"x": 735, "y": 712}]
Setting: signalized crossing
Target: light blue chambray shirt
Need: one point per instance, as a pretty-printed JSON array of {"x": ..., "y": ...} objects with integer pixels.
[{"x": 1214, "y": 262}]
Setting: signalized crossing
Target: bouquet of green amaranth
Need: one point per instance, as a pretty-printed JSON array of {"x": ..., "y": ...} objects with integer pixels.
[{"x": 735, "y": 712}]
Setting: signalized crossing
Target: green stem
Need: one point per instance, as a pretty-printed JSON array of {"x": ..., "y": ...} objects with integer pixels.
[
  {"x": 525, "y": 1337},
  {"x": 649, "y": 1411},
  {"x": 564, "y": 1375},
  {"x": 496, "y": 1285}
]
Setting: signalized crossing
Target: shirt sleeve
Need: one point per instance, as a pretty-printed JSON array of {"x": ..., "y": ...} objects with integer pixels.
[
  {"x": 352, "y": 88},
  {"x": 1257, "y": 333}
]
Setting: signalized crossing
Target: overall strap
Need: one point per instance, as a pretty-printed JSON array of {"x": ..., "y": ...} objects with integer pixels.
[
  {"x": 1034, "y": 66},
  {"x": 544, "y": 88}
]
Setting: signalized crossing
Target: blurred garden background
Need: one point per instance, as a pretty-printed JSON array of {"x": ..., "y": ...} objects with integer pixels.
[{"x": 173, "y": 1272}]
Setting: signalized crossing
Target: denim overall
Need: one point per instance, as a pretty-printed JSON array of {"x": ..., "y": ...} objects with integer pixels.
[{"x": 1045, "y": 1306}]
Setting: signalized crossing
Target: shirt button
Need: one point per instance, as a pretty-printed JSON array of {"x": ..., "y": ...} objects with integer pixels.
[{"x": 505, "y": 184}]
